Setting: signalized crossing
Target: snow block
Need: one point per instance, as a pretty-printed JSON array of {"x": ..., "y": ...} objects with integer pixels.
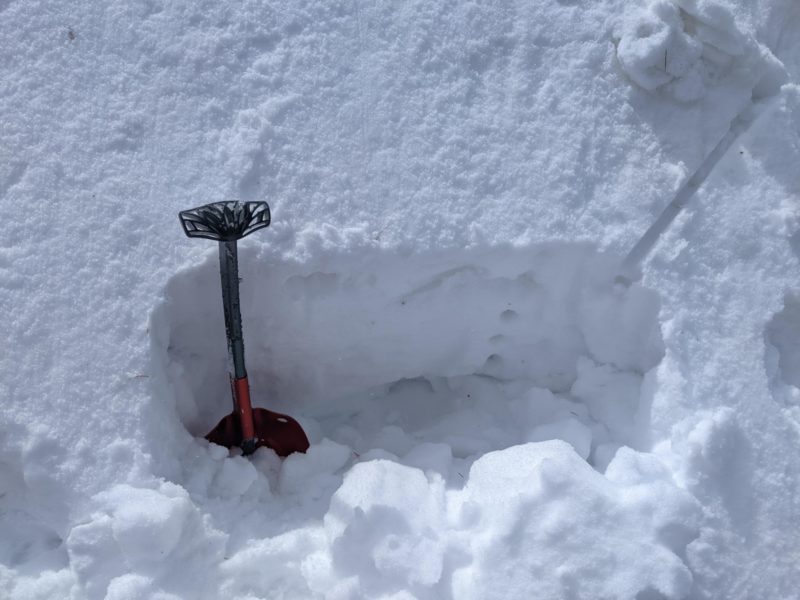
[
  {"x": 544, "y": 520},
  {"x": 384, "y": 524}
]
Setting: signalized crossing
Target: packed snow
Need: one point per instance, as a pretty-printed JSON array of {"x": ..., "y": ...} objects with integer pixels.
[{"x": 527, "y": 369}]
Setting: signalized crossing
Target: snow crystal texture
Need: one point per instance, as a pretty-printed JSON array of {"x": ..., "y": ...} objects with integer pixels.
[{"x": 497, "y": 406}]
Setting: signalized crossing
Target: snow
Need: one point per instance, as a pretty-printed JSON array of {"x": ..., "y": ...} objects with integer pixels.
[{"x": 497, "y": 406}]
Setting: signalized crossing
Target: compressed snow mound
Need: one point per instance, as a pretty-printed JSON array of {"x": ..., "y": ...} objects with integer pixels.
[
  {"x": 541, "y": 508},
  {"x": 533, "y": 516},
  {"x": 140, "y": 540}
]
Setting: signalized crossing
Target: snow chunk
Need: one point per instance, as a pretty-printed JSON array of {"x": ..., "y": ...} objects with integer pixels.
[
  {"x": 539, "y": 518},
  {"x": 434, "y": 457},
  {"x": 147, "y": 524},
  {"x": 621, "y": 325},
  {"x": 613, "y": 398},
  {"x": 383, "y": 520},
  {"x": 685, "y": 47},
  {"x": 150, "y": 533},
  {"x": 307, "y": 473},
  {"x": 571, "y": 430},
  {"x": 132, "y": 587},
  {"x": 234, "y": 478},
  {"x": 649, "y": 38}
]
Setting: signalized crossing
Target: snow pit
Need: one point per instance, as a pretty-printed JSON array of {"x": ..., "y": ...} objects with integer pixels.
[
  {"x": 462, "y": 409},
  {"x": 451, "y": 350}
]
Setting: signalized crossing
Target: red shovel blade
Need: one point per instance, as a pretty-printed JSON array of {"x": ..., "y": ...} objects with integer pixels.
[{"x": 274, "y": 430}]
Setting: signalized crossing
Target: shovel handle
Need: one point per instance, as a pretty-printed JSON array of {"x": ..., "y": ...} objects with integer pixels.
[{"x": 225, "y": 221}]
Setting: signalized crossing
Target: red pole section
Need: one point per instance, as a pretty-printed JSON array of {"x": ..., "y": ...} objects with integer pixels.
[{"x": 242, "y": 391}]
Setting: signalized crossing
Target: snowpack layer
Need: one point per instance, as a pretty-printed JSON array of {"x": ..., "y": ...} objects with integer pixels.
[{"x": 496, "y": 409}]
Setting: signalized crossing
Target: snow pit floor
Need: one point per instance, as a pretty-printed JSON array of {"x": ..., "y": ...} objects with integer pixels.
[{"x": 462, "y": 407}]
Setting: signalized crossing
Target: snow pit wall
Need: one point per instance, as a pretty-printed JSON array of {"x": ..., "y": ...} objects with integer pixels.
[{"x": 326, "y": 337}]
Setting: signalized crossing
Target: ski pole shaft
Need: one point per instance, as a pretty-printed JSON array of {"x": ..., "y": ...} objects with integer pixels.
[
  {"x": 639, "y": 252},
  {"x": 240, "y": 390},
  {"x": 229, "y": 277}
]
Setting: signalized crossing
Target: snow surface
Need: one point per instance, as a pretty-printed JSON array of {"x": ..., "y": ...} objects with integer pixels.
[{"x": 497, "y": 408}]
